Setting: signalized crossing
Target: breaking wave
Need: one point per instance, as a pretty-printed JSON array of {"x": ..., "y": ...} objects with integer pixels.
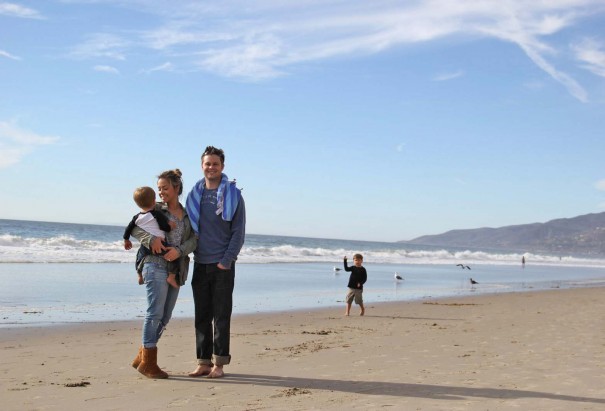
[{"x": 68, "y": 249}]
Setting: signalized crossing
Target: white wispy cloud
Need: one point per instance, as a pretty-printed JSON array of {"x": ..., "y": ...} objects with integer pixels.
[
  {"x": 448, "y": 76},
  {"x": 8, "y": 55},
  {"x": 17, "y": 10},
  {"x": 183, "y": 33},
  {"x": 16, "y": 142},
  {"x": 573, "y": 87},
  {"x": 102, "y": 45},
  {"x": 591, "y": 54},
  {"x": 266, "y": 38},
  {"x": 253, "y": 60},
  {"x": 106, "y": 69},
  {"x": 600, "y": 185},
  {"x": 168, "y": 66}
]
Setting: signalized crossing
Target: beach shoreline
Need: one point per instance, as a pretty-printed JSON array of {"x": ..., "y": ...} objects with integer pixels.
[
  {"x": 51, "y": 294},
  {"x": 540, "y": 350}
]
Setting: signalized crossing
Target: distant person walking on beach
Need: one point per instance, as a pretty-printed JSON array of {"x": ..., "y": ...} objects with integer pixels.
[
  {"x": 155, "y": 223},
  {"x": 161, "y": 297},
  {"x": 523, "y": 261},
  {"x": 218, "y": 214},
  {"x": 357, "y": 279}
]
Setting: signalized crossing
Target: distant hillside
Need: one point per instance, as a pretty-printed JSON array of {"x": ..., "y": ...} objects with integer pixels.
[{"x": 584, "y": 235}]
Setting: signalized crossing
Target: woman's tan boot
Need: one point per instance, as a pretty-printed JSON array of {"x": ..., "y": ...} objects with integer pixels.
[
  {"x": 138, "y": 359},
  {"x": 149, "y": 365}
]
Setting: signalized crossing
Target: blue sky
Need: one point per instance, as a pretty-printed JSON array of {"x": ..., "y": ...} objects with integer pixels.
[{"x": 380, "y": 120}]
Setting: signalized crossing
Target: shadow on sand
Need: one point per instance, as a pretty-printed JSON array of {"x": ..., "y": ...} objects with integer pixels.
[{"x": 438, "y": 392}]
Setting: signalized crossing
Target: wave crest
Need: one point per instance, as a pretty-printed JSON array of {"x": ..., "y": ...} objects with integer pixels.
[{"x": 67, "y": 249}]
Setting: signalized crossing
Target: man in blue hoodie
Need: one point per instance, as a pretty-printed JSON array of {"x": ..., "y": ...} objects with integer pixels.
[{"x": 218, "y": 215}]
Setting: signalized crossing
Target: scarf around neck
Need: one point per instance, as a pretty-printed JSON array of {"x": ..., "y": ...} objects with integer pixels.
[{"x": 227, "y": 200}]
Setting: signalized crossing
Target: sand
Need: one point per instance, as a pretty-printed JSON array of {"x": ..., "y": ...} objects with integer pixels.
[{"x": 524, "y": 351}]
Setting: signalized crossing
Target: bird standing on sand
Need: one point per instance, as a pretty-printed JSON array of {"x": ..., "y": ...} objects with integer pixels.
[
  {"x": 473, "y": 282},
  {"x": 336, "y": 268},
  {"x": 397, "y": 276}
]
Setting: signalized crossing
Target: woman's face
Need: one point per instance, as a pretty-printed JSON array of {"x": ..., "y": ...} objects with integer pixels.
[{"x": 166, "y": 191}]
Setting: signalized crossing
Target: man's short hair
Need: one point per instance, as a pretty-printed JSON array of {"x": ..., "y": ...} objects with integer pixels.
[{"x": 211, "y": 150}]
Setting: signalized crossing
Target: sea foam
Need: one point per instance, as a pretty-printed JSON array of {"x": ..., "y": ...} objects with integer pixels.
[{"x": 68, "y": 249}]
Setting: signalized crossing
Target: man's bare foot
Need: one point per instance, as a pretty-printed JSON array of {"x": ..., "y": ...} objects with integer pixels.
[
  {"x": 202, "y": 369},
  {"x": 217, "y": 372},
  {"x": 362, "y": 312},
  {"x": 347, "y": 313},
  {"x": 172, "y": 281}
]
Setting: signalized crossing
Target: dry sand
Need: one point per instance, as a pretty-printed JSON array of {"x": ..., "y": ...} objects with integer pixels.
[{"x": 524, "y": 351}]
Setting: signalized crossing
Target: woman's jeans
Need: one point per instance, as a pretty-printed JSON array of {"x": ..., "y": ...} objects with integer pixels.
[
  {"x": 161, "y": 299},
  {"x": 213, "y": 299}
]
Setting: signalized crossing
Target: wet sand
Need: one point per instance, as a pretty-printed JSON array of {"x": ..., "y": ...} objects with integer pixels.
[{"x": 536, "y": 350}]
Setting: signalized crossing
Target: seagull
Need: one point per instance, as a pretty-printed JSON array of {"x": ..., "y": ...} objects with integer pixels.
[
  {"x": 336, "y": 268},
  {"x": 397, "y": 276},
  {"x": 473, "y": 282},
  {"x": 463, "y": 266}
]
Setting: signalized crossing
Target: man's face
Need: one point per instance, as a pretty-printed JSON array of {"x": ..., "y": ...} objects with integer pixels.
[{"x": 212, "y": 167}]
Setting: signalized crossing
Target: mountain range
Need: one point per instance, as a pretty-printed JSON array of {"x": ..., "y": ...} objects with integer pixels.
[{"x": 581, "y": 235}]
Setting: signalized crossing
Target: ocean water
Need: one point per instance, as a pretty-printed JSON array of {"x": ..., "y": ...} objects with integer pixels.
[{"x": 52, "y": 273}]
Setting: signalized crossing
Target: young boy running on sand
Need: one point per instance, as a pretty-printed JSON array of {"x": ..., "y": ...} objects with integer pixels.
[{"x": 357, "y": 279}]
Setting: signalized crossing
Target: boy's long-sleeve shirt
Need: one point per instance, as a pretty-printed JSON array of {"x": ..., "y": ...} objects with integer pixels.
[
  {"x": 148, "y": 216},
  {"x": 358, "y": 276}
]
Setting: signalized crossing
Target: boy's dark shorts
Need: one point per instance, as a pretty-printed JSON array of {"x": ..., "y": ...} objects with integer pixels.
[{"x": 356, "y": 295}]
